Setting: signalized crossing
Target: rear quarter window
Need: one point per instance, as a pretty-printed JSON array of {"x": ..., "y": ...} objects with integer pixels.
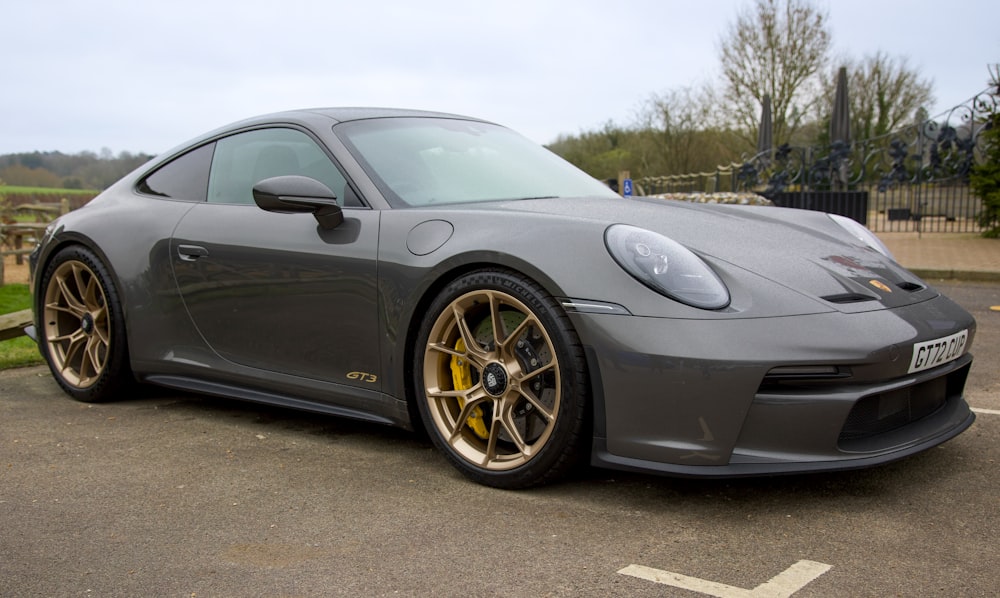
[{"x": 184, "y": 177}]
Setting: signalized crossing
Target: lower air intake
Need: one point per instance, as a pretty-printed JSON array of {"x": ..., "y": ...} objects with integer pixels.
[{"x": 884, "y": 412}]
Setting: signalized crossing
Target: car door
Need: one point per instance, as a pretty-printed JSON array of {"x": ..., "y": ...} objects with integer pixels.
[{"x": 276, "y": 291}]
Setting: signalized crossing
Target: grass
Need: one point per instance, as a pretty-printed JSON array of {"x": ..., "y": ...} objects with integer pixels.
[
  {"x": 14, "y": 297},
  {"x": 14, "y": 189},
  {"x": 11, "y": 196},
  {"x": 20, "y": 351},
  {"x": 24, "y": 218}
]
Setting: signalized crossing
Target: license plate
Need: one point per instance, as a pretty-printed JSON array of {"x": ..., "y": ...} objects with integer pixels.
[{"x": 929, "y": 354}]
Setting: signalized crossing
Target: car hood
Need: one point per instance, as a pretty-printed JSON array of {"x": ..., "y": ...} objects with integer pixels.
[{"x": 801, "y": 250}]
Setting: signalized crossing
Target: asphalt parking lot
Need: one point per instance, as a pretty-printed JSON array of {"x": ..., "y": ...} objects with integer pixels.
[{"x": 171, "y": 494}]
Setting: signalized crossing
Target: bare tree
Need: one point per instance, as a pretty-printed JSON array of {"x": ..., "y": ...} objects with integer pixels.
[
  {"x": 885, "y": 93},
  {"x": 679, "y": 132},
  {"x": 775, "y": 48}
]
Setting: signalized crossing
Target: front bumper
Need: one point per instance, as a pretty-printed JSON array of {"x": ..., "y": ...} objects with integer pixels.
[{"x": 700, "y": 398}]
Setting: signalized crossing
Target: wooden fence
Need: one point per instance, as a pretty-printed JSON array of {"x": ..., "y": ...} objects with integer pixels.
[
  {"x": 12, "y": 325},
  {"x": 18, "y": 237}
]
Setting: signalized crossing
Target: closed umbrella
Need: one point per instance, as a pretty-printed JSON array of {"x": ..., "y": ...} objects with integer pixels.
[
  {"x": 840, "y": 128},
  {"x": 840, "y": 118},
  {"x": 764, "y": 133}
]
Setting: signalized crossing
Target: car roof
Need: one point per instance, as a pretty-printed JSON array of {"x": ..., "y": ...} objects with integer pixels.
[
  {"x": 358, "y": 113},
  {"x": 346, "y": 114},
  {"x": 310, "y": 116}
]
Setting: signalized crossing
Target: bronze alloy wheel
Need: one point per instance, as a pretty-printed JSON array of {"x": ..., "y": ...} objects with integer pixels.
[
  {"x": 77, "y": 327},
  {"x": 81, "y": 326},
  {"x": 495, "y": 393}
]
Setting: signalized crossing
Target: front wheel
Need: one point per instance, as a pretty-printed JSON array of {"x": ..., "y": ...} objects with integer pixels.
[
  {"x": 501, "y": 380},
  {"x": 82, "y": 326}
]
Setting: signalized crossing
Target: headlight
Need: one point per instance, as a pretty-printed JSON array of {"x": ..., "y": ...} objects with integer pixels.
[
  {"x": 666, "y": 266},
  {"x": 859, "y": 232}
]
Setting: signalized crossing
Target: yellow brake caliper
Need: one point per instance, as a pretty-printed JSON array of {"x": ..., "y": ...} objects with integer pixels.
[{"x": 461, "y": 376}]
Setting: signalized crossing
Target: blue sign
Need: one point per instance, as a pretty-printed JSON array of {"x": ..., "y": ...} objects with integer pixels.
[{"x": 627, "y": 187}]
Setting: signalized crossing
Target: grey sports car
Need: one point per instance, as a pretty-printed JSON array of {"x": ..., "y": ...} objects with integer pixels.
[{"x": 440, "y": 272}]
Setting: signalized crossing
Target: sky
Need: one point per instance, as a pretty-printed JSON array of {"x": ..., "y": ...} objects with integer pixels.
[{"x": 146, "y": 75}]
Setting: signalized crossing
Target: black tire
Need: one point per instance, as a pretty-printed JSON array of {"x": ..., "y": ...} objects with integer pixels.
[
  {"x": 82, "y": 327},
  {"x": 508, "y": 405}
]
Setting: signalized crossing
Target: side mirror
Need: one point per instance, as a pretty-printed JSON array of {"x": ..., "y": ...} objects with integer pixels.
[{"x": 299, "y": 194}]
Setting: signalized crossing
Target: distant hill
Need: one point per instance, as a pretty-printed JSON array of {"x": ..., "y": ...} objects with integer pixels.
[{"x": 85, "y": 170}]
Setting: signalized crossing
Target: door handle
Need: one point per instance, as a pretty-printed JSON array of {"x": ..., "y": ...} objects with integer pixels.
[{"x": 190, "y": 253}]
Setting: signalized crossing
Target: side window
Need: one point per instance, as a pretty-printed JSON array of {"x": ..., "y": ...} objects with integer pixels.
[
  {"x": 244, "y": 159},
  {"x": 184, "y": 178}
]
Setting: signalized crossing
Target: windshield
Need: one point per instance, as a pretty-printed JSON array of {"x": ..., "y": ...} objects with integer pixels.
[{"x": 422, "y": 161}]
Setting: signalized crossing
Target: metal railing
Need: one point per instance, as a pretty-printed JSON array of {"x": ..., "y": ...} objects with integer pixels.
[{"x": 913, "y": 179}]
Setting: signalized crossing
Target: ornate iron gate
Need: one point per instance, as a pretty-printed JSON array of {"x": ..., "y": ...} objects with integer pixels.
[{"x": 914, "y": 179}]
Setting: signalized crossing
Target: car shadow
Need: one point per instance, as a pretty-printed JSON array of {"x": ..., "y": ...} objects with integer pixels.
[{"x": 941, "y": 467}]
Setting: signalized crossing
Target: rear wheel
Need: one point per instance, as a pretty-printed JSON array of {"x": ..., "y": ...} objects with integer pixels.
[
  {"x": 82, "y": 327},
  {"x": 502, "y": 380}
]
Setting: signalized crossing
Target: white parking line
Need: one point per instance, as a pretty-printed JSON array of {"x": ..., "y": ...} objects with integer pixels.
[
  {"x": 782, "y": 585},
  {"x": 986, "y": 411}
]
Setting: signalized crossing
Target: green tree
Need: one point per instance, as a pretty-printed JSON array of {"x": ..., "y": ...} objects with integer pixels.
[
  {"x": 776, "y": 48},
  {"x": 602, "y": 153},
  {"x": 985, "y": 177}
]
